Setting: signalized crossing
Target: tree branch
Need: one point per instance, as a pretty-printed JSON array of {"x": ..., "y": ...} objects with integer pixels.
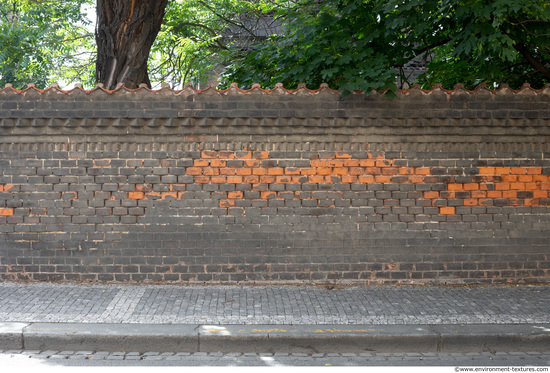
[
  {"x": 212, "y": 31},
  {"x": 521, "y": 48}
]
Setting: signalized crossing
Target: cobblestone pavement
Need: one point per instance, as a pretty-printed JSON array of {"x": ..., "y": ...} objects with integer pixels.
[
  {"x": 90, "y": 358},
  {"x": 160, "y": 304}
]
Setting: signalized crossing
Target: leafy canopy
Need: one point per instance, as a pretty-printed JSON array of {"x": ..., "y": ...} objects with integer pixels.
[
  {"x": 349, "y": 44},
  {"x": 44, "y": 41},
  {"x": 365, "y": 44}
]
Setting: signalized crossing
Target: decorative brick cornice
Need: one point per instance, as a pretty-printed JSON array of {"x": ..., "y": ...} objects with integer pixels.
[{"x": 279, "y": 88}]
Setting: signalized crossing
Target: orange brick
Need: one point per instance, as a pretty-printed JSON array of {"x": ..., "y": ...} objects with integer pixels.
[
  {"x": 383, "y": 163},
  {"x": 367, "y": 163},
  {"x": 268, "y": 195},
  {"x": 525, "y": 178},
  {"x": 341, "y": 155},
  {"x": 510, "y": 194},
  {"x": 422, "y": 171},
  {"x": 333, "y": 163},
  {"x": 351, "y": 163},
  {"x": 487, "y": 171},
  {"x": 534, "y": 171},
  {"x": 299, "y": 179},
  {"x": 318, "y": 163},
  {"x": 201, "y": 163},
  {"x": 315, "y": 179},
  {"x": 503, "y": 186},
  {"x": 383, "y": 179},
  {"x": 136, "y": 195},
  {"x": 406, "y": 171},
  {"x": 471, "y": 186},
  {"x": 209, "y": 154},
  {"x": 447, "y": 195},
  {"x": 253, "y": 163},
  {"x": 165, "y": 195},
  {"x": 540, "y": 194},
  {"x": 416, "y": 179},
  {"x": 251, "y": 179},
  {"x": 218, "y": 179},
  {"x": 510, "y": 178},
  {"x": 447, "y": 210},
  {"x": 202, "y": 179},
  {"x": 217, "y": 163},
  {"x": 143, "y": 188},
  {"x": 431, "y": 195},
  {"x": 349, "y": 179},
  {"x": 455, "y": 187},
  {"x": 293, "y": 171},
  {"x": 228, "y": 171},
  {"x": 471, "y": 202},
  {"x": 372, "y": 171},
  {"x": 283, "y": 180},
  {"x": 340, "y": 171},
  {"x": 260, "y": 155},
  {"x": 517, "y": 186},
  {"x": 502, "y": 170},
  {"x": 259, "y": 171},
  {"x": 308, "y": 171},
  {"x": 243, "y": 171},
  {"x": 324, "y": 171},
  {"x": 478, "y": 194},
  {"x": 227, "y": 203},
  {"x": 545, "y": 186},
  {"x": 366, "y": 179},
  {"x": 193, "y": 171},
  {"x": 531, "y": 186},
  {"x": 210, "y": 171},
  {"x": 356, "y": 171},
  {"x": 518, "y": 170},
  {"x": 541, "y": 178},
  {"x": 332, "y": 179},
  {"x": 493, "y": 194},
  {"x": 234, "y": 179},
  {"x": 6, "y": 212},
  {"x": 267, "y": 179},
  {"x": 235, "y": 195},
  {"x": 5, "y": 188},
  {"x": 390, "y": 171},
  {"x": 275, "y": 171}
]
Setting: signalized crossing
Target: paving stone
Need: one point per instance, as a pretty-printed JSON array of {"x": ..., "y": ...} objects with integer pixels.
[{"x": 272, "y": 305}]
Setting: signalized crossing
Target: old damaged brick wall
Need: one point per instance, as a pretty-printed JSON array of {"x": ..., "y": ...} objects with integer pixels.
[{"x": 275, "y": 186}]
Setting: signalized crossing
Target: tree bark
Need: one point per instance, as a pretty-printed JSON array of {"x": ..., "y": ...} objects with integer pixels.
[{"x": 125, "y": 32}]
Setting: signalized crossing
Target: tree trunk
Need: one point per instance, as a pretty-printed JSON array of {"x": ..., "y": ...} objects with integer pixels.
[{"x": 125, "y": 32}]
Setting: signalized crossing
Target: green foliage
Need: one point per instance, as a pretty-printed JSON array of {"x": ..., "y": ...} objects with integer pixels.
[
  {"x": 196, "y": 40},
  {"x": 349, "y": 44},
  {"x": 364, "y": 44},
  {"x": 41, "y": 43},
  {"x": 492, "y": 42}
]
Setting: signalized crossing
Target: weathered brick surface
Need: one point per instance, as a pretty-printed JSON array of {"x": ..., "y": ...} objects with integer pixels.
[{"x": 280, "y": 186}]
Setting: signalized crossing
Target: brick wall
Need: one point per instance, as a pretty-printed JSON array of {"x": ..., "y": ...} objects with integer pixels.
[{"x": 275, "y": 186}]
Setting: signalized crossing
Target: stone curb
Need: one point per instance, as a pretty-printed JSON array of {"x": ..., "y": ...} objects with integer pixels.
[{"x": 275, "y": 338}]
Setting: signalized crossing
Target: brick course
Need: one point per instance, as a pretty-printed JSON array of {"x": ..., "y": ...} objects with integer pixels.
[{"x": 275, "y": 186}]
